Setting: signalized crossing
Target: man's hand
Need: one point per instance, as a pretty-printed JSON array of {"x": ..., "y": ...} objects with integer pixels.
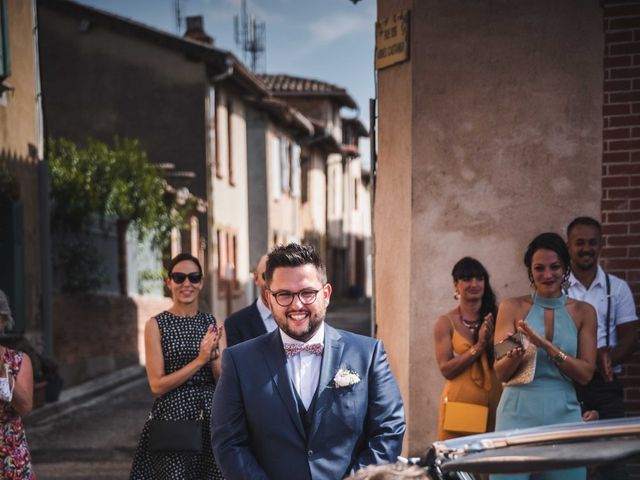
[{"x": 604, "y": 364}]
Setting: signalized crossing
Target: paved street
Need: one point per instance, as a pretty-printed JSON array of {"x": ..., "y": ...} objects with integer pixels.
[{"x": 97, "y": 440}]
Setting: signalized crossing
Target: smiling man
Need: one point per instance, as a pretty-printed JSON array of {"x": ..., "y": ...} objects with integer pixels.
[
  {"x": 617, "y": 323},
  {"x": 306, "y": 401}
]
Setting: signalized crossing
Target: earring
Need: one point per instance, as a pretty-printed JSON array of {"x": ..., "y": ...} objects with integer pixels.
[{"x": 456, "y": 295}]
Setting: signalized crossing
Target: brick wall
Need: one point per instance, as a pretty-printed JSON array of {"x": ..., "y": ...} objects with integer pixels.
[{"x": 621, "y": 164}]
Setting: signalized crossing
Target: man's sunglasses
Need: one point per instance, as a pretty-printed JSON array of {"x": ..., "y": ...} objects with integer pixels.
[{"x": 180, "y": 277}]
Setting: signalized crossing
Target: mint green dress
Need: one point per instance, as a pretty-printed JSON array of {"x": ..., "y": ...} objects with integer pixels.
[{"x": 550, "y": 398}]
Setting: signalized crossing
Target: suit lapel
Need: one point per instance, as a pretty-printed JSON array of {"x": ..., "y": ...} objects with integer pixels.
[
  {"x": 257, "y": 325},
  {"x": 276, "y": 361},
  {"x": 333, "y": 347}
]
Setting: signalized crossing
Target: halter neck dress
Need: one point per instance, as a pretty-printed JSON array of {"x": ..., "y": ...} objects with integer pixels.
[{"x": 550, "y": 398}]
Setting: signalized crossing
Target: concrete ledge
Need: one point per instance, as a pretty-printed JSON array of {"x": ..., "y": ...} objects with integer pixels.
[{"x": 74, "y": 397}]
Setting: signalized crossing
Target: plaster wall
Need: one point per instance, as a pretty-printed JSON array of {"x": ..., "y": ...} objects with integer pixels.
[{"x": 503, "y": 132}]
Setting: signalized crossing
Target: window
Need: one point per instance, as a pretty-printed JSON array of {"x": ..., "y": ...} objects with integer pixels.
[
  {"x": 285, "y": 164},
  {"x": 230, "y": 140},
  {"x": 276, "y": 173},
  {"x": 216, "y": 137},
  {"x": 295, "y": 170},
  {"x": 5, "y": 64},
  {"x": 304, "y": 179}
]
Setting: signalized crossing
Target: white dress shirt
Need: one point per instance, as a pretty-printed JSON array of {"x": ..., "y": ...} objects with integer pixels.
[
  {"x": 304, "y": 368},
  {"x": 266, "y": 315},
  {"x": 622, "y": 310}
]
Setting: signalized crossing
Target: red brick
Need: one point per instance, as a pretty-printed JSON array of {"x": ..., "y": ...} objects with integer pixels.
[
  {"x": 624, "y": 23},
  {"x": 634, "y": 251},
  {"x": 617, "y": 85},
  {"x": 624, "y": 240},
  {"x": 623, "y": 263},
  {"x": 615, "y": 182},
  {"x": 621, "y": 11},
  {"x": 624, "y": 145},
  {"x": 624, "y": 120},
  {"x": 634, "y": 181},
  {"x": 621, "y": 217},
  {"x": 635, "y": 108},
  {"x": 626, "y": 169},
  {"x": 614, "y": 252},
  {"x": 618, "y": 37},
  {"x": 621, "y": 61},
  {"x": 617, "y": 109},
  {"x": 635, "y": 205},
  {"x": 623, "y": 193},
  {"x": 615, "y": 229},
  {"x": 634, "y": 228},
  {"x": 631, "y": 72},
  {"x": 607, "y": 205},
  {"x": 635, "y": 132},
  {"x": 622, "y": 97}
]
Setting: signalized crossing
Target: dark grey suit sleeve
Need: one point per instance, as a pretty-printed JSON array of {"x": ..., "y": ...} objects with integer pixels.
[
  {"x": 385, "y": 423},
  {"x": 233, "y": 332},
  {"x": 229, "y": 432}
]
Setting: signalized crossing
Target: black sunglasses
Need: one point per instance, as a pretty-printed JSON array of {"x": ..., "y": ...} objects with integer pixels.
[{"x": 180, "y": 277}]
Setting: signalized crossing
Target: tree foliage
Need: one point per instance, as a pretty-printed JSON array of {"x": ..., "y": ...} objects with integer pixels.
[{"x": 100, "y": 182}]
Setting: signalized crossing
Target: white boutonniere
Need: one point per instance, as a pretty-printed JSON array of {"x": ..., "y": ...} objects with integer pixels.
[{"x": 345, "y": 378}]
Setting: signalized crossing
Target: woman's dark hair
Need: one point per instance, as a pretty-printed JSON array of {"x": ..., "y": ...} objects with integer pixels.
[
  {"x": 548, "y": 241},
  {"x": 467, "y": 268},
  {"x": 181, "y": 257}
]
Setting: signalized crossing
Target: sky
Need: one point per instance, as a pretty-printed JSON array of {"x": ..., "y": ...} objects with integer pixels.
[{"x": 327, "y": 40}]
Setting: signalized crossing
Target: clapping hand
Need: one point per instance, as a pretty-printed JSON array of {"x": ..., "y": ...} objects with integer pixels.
[
  {"x": 209, "y": 344},
  {"x": 531, "y": 334},
  {"x": 486, "y": 330}
]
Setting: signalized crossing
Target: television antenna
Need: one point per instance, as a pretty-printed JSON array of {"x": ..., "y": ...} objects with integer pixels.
[
  {"x": 179, "y": 17},
  {"x": 250, "y": 36}
]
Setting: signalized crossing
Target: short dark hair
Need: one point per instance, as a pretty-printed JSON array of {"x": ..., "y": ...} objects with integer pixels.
[
  {"x": 586, "y": 221},
  {"x": 468, "y": 267},
  {"x": 181, "y": 257},
  {"x": 548, "y": 241},
  {"x": 294, "y": 255}
]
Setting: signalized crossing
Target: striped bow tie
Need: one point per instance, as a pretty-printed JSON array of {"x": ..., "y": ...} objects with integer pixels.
[{"x": 293, "y": 349}]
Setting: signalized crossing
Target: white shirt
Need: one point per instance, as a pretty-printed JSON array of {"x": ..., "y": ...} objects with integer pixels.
[
  {"x": 266, "y": 315},
  {"x": 304, "y": 368},
  {"x": 622, "y": 310}
]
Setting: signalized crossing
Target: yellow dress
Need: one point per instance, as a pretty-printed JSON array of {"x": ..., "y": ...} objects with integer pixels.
[{"x": 477, "y": 384}]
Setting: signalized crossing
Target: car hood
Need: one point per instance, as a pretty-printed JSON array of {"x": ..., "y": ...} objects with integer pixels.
[{"x": 541, "y": 448}]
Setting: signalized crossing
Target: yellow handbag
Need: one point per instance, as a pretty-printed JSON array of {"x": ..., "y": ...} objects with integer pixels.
[{"x": 465, "y": 417}]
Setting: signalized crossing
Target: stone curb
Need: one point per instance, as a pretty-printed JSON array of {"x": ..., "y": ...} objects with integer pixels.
[{"x": 74, "y": 397}]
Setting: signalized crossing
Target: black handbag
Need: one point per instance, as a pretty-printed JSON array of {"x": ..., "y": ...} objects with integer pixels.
[{"x": 175, "y": 436}]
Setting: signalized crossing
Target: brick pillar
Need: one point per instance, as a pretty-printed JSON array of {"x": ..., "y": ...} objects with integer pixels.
[{"x": 621, "y": 164}]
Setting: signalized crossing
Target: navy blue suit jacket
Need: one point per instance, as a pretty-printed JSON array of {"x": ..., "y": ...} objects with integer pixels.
[
  {"x": 244, "y": 324},
  {"x": 256, "y": 429}
]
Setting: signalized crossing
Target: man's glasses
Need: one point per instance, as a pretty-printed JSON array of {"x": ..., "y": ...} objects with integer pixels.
[
  {"x": 285, "y": 298},
  {"x": 180, "y": 277}
]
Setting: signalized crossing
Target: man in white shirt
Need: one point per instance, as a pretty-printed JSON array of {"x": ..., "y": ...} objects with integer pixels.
[
  {"x": 253, "y": 320},
  {"x": 617, "y": 320},
  {"x": 307, "y": 401}
]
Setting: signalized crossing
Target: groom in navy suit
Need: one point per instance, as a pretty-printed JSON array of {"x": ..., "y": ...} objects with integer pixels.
[{"x": 306, "y": 401}]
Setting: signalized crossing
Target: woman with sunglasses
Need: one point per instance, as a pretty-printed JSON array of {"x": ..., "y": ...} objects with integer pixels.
[{"x": 183, "y": 347}]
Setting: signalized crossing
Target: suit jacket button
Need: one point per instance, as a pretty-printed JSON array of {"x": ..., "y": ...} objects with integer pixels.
[{"x": 310, "y": 452}]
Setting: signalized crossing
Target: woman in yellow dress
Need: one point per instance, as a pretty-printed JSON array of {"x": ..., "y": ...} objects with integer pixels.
[{"x": 463, "y": 345}]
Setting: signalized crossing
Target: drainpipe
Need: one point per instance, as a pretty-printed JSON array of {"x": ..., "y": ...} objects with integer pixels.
[{"x": 44, "y": 206}]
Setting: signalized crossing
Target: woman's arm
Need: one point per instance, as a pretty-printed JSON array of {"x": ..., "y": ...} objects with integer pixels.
[
  {"x": 22, "y": 401},
  {"x": 159, "y": 382},
  {"x": 506, "y": 366},
  {"x": 581, "y": 367},
  {"x": 453, "y": 365}
]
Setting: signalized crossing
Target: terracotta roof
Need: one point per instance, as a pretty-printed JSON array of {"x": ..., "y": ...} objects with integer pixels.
[{"x": 289, "y": 85}]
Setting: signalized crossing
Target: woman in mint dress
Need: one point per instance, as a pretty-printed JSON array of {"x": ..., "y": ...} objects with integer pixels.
[{"x": 564, "y": 332}]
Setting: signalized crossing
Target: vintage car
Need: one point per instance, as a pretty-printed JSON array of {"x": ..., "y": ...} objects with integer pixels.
[{"x": 534, "y": 449}]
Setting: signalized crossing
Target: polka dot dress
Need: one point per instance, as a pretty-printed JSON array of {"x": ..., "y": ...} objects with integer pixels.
[{"x": 180, "y": 338}]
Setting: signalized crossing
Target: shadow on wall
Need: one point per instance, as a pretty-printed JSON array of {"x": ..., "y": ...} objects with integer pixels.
[{"x": 94, "y": 335}]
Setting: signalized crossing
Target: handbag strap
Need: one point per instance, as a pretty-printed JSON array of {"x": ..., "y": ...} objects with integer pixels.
[{"x": 607, "y": 322}]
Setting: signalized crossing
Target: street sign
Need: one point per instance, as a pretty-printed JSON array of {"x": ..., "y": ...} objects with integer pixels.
[{"x": 392, "y": 40}]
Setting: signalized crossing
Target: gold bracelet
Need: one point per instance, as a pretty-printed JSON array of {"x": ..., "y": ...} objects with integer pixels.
[
  {"x": 559, "y": 357},
  {"x": 473, "y": 351}
]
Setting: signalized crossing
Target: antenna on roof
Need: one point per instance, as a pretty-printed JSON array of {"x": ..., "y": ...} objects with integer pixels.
[
  {"x": 250, "y": 36},
  {"x": 178, "y": 13}
]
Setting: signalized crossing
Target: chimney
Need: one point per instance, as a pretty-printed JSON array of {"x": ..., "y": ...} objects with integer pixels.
[{"x": 195, "y": 30}]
